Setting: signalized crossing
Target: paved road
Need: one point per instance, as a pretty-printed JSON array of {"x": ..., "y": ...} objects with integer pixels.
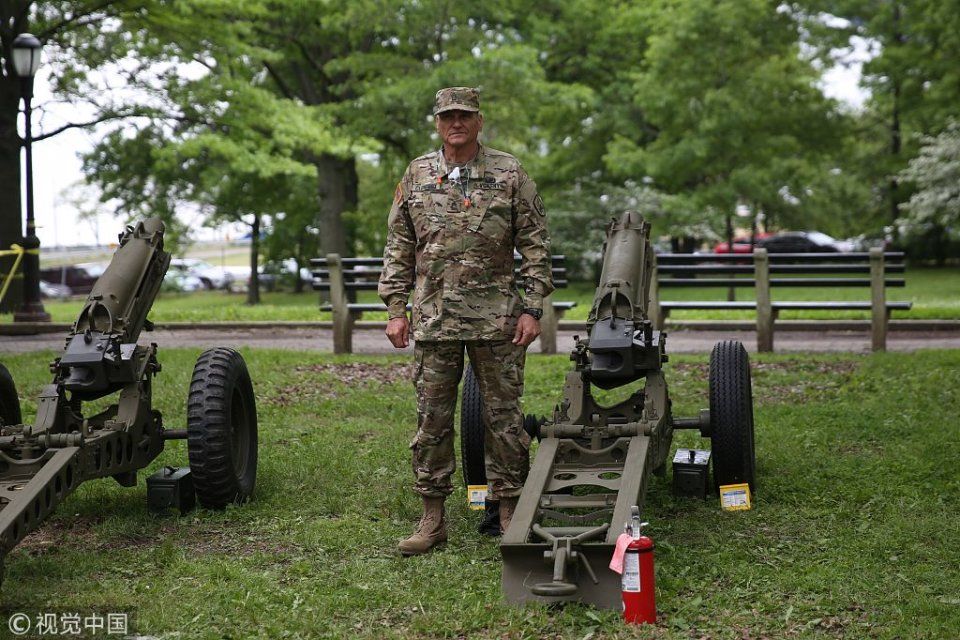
[{"x": 373, "y": 340}]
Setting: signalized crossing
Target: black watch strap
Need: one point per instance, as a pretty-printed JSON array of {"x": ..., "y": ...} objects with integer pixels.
[{"x": 536, "y": 313}]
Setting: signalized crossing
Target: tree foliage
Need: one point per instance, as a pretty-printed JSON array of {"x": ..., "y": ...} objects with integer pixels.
[
  {"x": 734, "y": 110},
  {"x": 933, "y": 211},
  {"x": 298, "y": 116},
  {"x": 936, "y": 174}
]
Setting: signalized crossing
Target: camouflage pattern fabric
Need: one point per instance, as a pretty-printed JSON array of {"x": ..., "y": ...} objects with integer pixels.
[
  {"x": 499, "y": 369},
  {"x": 450, "y": 240},
  {"x": 460, "y": 98}
]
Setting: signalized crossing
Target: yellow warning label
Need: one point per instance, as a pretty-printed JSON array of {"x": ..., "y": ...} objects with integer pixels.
[
  {"x": 735, "y": 497},
  {"x": 477, "y": 496}
]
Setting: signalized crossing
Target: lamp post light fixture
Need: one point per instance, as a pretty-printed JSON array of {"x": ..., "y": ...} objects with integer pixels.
[{"x": 26, "y": 61}]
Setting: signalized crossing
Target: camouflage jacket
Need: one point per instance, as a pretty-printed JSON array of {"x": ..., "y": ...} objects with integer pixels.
[{"x": 452, "y": 243}]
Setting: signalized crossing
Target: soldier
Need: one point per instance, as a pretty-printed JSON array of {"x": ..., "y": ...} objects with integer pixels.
[{"x": 457, "y": 215}]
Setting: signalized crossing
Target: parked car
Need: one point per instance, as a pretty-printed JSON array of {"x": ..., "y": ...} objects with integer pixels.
[
  {"x": 55, "y": 291},
  {"x": 741, "y": 244},
  {"x": 804, "y": 242},
  {"x": 174, "y": 280},
  {"x": 79, "y": 279},
  {"x": 212, "y": 277}
]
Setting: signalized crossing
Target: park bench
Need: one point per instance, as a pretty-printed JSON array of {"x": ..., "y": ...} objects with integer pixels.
[
  {"x": 341, "y": 277},
  {"x": 764, "y": 272}
]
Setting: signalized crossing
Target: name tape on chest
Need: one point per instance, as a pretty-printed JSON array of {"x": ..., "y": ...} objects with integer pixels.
[{"x": 444, "y": 187}]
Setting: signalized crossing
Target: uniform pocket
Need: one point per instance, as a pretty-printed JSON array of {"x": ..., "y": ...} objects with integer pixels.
[
  {"x": 427, "y": 220},
  {"x": 495, "y": 221}
]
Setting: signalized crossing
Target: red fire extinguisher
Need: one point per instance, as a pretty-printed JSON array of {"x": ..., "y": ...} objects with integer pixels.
[{"x": 639, "y": 599}]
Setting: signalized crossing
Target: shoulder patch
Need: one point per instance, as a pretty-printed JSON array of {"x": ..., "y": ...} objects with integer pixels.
[
  {"x": 398, "y": 194},
  {"x": 538, "y": 205}
]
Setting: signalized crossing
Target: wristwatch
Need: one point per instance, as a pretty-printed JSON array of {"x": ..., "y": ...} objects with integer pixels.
[{"x": 536, "y": 313}]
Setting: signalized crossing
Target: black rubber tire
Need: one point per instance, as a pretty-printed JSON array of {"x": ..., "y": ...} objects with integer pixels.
[
  {"x": 9, "y": 400},
  {"x": 222, "y": 429},
  {"x": 731, "y": 416},
  {"x": 472, "y": 430}
]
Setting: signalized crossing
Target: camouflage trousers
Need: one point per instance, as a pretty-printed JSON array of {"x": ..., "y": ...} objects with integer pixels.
[{"x": 498, "y": 366}]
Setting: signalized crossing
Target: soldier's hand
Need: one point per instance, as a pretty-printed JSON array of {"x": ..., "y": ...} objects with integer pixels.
[
  {"x": 528, "y": 328},
  {"x": 398, "y": 331}
]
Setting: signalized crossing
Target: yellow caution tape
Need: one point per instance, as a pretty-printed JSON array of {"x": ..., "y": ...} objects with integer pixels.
[{"x": 14, "y": 250}]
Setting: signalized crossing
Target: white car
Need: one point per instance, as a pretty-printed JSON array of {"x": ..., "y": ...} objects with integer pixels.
[
  {"x": 211, "y": 276},
  {"x": 55, "y": 291},
  {"x": 177, "y": 281}
]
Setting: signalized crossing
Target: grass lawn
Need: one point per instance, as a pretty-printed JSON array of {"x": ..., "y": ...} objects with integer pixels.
[
  {"x": 935, "y": 293},
  {"x": 854, "y": 533}
]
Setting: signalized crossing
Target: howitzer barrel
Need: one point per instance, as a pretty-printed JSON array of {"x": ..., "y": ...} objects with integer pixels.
[
  {"x": 122, "y": 296},
  {"x": 624, "y": 286},
  {"x": 622, "y": 345}
]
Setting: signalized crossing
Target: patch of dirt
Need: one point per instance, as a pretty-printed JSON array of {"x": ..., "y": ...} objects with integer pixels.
[
  {"x": 314, "y": 383},
  {"x": 362, "y": 372},
  {"x": 203, "y": 538},
  {"x": 860, "y": 448},
  {"x": 76, "y": 532},
  {"x": 816, "y": 380},
  {"x": 808, "y": 379}
]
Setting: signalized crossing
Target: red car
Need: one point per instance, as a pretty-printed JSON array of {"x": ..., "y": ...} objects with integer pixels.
[{"x": 741, "y": 244}]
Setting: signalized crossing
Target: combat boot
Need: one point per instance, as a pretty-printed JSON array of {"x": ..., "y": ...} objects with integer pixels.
[
  {"x": 507, "y": 507},
  {"x": 431, "y": 530}
]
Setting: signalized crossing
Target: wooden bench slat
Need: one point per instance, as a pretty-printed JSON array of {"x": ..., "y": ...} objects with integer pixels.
[
  {"x": 685, "y": 304},
  {"x": 853, "y": 305},
  {"x": 776, "y": 282},
  {"x": 692, "y": 258},
  {"x": 775, "y": 268},
  {"x": 828, "y": 305}
]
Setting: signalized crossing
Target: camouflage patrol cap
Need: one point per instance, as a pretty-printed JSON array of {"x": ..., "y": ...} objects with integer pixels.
[{"x": 459, "y": 98}]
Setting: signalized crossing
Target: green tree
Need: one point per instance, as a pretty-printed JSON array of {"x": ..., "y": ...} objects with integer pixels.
[
  {"x": 354, "y": 78},
  {"x": 79, "y": 37},
  {"x": 912, "y": 79},
  {"x": 736, "y": 114},
  {"x": 238, "y": 160},
  {"x": 933, "y": 211}
]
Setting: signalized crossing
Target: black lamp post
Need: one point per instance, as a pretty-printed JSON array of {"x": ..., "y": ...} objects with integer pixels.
[{"x": 26, "y": 60}]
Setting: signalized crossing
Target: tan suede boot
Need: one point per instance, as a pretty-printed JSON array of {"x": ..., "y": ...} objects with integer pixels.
[
  {"x": 431, "y": 530},
  {"x": 507, "y": 507}
]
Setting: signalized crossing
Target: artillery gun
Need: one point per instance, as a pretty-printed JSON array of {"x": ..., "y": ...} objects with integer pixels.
[
  {"x": 593, "y": 463},
  {"x": 41, "y": 464}
]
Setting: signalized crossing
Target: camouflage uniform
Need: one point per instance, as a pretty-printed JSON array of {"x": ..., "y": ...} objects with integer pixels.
[{"x": 452, "y": 243}]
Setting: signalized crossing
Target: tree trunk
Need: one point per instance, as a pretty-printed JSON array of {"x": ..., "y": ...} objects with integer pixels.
[
  {"x": 337, "y": 193},
  {"x": 11, "y": 217},
  {"x": 895, "y": 134},
  {"x": 253, "y": 291},
  {"x": 895, "y": 143},
  {"x": 301, "y": 259}
]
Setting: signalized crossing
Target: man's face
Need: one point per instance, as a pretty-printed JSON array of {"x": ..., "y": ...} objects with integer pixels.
[{"x": 459, "y": 128}]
